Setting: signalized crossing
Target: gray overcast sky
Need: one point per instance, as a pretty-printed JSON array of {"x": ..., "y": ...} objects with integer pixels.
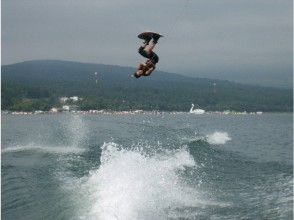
[{"x": 201, "y": 36}]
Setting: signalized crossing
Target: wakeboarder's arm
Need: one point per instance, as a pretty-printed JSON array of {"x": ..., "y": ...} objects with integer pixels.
[
  {"x": 141, "y": 66},
  {"x": 149, "y": 71}
]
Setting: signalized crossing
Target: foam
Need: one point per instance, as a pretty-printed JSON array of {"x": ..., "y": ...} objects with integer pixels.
[
  {"x": 215, "y": 138},
  {"x": 132, "y": 185},
  {"x": 218, "y": 138}
]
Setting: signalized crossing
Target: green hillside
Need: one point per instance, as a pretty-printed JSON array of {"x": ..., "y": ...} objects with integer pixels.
[{"x": 38, "y": 85}]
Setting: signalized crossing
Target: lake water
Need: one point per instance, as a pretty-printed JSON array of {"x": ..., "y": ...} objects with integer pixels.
[{"x": 147, "y": 166}]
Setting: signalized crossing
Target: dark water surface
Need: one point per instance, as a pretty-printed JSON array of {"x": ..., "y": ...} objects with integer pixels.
[{"x": 147, "y": 166}]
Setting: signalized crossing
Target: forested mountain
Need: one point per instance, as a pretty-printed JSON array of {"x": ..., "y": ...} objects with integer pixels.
[{"x": 34, "y": 85}]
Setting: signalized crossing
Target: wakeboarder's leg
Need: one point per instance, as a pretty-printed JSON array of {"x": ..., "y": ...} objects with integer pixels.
[
  {"x": 146, "y": 49},
  {"x": 142, "y": 49},
  {"x": 149, "y": 49},
  {"x": 151, "y": 46}
]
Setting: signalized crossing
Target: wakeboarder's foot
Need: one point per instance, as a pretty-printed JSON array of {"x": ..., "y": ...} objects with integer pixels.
[
  {"x": 156, "y": 37},
  {"x": 147, "y": 40}
]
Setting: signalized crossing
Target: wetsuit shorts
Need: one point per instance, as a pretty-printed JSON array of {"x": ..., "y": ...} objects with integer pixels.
[{"x": 152, "y": 56}]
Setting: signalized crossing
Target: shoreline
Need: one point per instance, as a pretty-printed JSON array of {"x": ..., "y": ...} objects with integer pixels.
[{"x": 136, "y": 112}]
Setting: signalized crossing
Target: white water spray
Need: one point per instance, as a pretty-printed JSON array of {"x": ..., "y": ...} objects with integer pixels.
[
  {"x": 218, "y": 138},
  {"x": 131, "y": 185}
]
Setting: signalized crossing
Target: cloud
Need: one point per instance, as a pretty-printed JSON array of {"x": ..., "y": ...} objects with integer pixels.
[{"x": 199, "y": 35}]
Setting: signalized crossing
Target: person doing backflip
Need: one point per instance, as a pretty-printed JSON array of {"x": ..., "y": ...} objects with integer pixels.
[{"x": 146, "y": 50}]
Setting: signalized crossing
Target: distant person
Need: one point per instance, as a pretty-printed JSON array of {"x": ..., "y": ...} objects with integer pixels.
[{"x": 146, "y": 50}]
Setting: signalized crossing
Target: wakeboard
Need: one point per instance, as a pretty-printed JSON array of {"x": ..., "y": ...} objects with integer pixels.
[{"x": 148, "y": 34}]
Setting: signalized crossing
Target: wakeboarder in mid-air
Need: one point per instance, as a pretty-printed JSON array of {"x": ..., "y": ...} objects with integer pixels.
[{"x": 146, "y": 50}]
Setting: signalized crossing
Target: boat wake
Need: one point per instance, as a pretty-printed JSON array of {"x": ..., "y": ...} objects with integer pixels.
[
  {"x": 215, "y": 138},
  {"x": 43, "y": 149},
  {"x": 131, "y": 185}
]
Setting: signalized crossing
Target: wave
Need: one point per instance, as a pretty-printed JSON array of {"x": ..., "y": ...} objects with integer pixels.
[
  {"x": 215, "y": 138},
  {"x": 44, "y": 149},
  {"x": 131, "y": 185},
  {"x": 218, "y": 138}
]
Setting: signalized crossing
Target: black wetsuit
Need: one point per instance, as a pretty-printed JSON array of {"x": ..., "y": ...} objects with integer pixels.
[{"x": 152, "y": 56}]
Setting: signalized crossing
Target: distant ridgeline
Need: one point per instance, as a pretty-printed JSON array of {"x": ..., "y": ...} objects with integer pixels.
[{"x": 38, "y": 85}]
